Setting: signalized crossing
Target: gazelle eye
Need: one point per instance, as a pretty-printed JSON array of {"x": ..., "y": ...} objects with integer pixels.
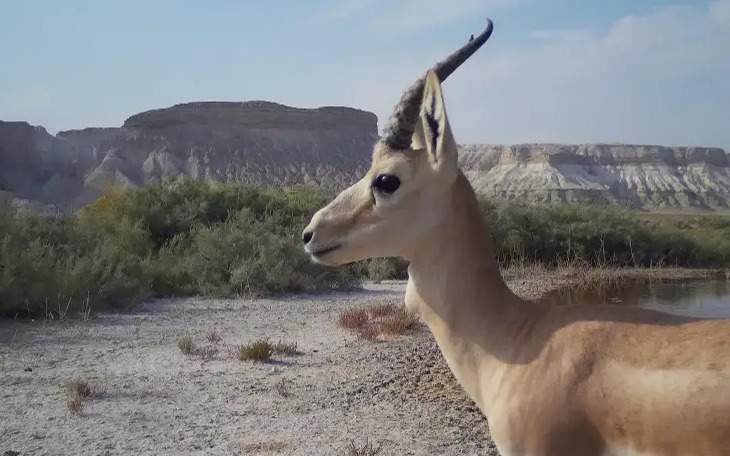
[{"x": 386, "y": 183}]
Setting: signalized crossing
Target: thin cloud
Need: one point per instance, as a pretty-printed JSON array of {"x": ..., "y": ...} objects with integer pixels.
[
  {"x": 720, "y": 12},
  {"x": 658, "y": 78}
]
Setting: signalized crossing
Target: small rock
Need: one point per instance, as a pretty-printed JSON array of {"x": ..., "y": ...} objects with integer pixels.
[{"x": 27, "y": 369}]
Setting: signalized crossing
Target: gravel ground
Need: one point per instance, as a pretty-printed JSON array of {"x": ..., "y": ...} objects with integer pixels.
[{"x": 151, "y": 399}]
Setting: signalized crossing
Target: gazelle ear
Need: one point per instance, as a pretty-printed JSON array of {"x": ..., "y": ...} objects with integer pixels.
[{"x": 433, "y": 129}]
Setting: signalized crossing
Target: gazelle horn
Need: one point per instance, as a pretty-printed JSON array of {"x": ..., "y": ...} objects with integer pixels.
[{"x": 398, "y": 131}]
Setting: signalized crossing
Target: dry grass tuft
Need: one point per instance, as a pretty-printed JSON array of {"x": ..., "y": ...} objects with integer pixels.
[
  {"x": 283, "y": 387},
  {"x": 286, "y": 348},
  {"x": 186, "y": 344},
  {"x": 367, "y": 449},
  {"x": 207, "y": 353},
  {"x": 400, "y": 322},
  {"x": 213, "y": 337},
  {"x": 353, "y": 318},
  {"x": 377, "y": 320},
  {"x": 259, "y": 350},
  {"x": 262, "y": 350},
  {"x": 75, "y": 404},
  {"x": 77, "y": 391},
  {"x": 368, "y": 332},
  {"x": 381, "y": 310},
  {"x": 587, "y": 277},
  {"x": 80, "y": 388},
  {"x": 521, "y": 269}
]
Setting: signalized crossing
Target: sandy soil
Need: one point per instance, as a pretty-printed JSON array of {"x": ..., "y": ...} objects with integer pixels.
[{"x": 151, "y": 399}]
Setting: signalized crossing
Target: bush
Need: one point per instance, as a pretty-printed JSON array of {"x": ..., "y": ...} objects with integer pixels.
[
  {"x": 379, "y": 269},
  {"x": 246, "y": 256},
  {"x": 183, "y": 237},
  {"x": 193, "y": 237},
  {"x": 606, "y": 236},
  {"x": 52, "y": 266}
]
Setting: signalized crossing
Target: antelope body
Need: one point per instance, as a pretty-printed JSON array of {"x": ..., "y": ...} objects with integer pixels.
[{"x": 569, "y": 380}]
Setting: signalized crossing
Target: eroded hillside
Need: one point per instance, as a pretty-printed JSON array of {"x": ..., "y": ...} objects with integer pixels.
[
  {"x": 259, "y": 142},
  {"x": 251, "y": 142},
  {"x": 634, "y": 176}
]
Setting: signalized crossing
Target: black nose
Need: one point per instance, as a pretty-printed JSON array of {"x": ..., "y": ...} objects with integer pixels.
[{"x": 307, "y": 236}]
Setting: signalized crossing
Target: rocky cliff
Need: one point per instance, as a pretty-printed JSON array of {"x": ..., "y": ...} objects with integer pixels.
[
  {"x": 251, "y": 142},
  {"x": 260, "y": 142},
  {"x": 37, "y": 166},
  {"x": 640, "y": 177}
]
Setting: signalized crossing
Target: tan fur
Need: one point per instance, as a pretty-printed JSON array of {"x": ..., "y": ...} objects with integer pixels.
[{"x": 572, "y": 380}]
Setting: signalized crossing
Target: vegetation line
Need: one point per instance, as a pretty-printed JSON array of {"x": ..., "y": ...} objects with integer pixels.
[{"x": 193, "y": 237}]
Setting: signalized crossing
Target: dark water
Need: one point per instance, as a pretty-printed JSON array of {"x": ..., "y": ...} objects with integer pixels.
[{"x": 697, "y": 298}]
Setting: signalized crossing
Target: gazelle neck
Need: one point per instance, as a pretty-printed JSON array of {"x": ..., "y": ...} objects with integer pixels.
[
  {"x": 456, "y": 287},
  {"x": 455, "y": 270}
]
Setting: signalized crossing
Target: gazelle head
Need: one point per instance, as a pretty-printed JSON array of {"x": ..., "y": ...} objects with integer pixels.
[{"x": 405, "y": 193}]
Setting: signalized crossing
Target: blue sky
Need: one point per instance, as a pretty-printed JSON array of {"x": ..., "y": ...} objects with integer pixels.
[{"x": 649, "y": 71}]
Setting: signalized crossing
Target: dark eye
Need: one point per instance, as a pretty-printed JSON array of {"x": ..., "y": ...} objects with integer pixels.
[{"x": 386, "y": 183}]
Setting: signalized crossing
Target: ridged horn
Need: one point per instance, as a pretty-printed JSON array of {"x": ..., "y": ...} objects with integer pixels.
[{"x": 398, "y": 132}]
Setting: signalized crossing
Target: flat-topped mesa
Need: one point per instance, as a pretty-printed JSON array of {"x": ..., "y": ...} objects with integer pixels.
[
  {"x": 677, "y": 156},
  {"x": 258, "y": 142},
  {"x": 634, "y": 176},
  {"x": 254, "y": 114},
  {"x": 253, "y": 142},
  {"x": 595, "y": 154}
]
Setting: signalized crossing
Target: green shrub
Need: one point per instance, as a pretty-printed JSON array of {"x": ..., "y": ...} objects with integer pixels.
[
  {"x": 193, "y": 237},
  {"x": 52, "y": 266},
  {"x": 183, "y": 237},
  {"x": 378, "y": 269},
  {"x": 224, "y": 240},
  {"x": 606, "y": 236},
  {"x": 167, "y": 271},
  {"x": 245, "y": 256}
]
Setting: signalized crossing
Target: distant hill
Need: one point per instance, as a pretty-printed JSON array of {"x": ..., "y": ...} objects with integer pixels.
[
  {"x": 260, "y": 142},
  {"x": 632, "y": 176},
  {"x": 253, "y": 142}
]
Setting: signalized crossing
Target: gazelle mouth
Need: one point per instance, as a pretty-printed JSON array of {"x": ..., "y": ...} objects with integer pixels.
[{"x": 322, "y": 252}]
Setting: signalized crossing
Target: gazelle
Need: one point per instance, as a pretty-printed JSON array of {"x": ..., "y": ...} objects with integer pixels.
[{"x": 569, "y": 380}]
